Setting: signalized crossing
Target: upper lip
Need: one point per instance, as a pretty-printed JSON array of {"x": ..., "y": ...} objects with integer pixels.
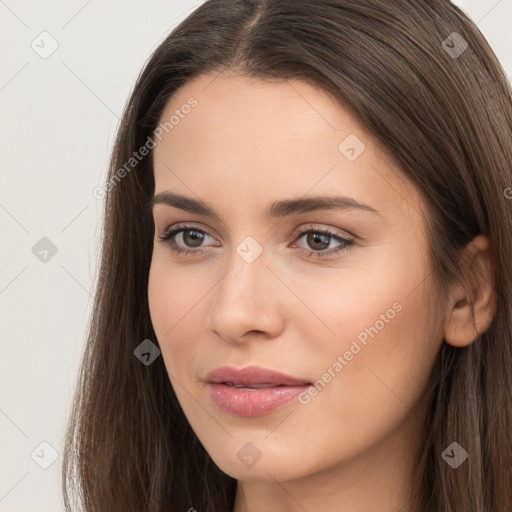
[{"x": 251, "y": 375}]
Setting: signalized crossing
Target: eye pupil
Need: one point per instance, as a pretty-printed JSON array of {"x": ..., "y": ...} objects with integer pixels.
[
  {"x": 313, "y": 238},
  {"x": 196, "y": 238}
]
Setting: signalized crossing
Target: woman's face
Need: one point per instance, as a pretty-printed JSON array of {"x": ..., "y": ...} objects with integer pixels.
[{"x": 351, "y": 318}]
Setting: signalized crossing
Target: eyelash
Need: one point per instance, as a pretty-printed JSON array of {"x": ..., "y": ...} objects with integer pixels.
[{"x": 348, "y": 243}]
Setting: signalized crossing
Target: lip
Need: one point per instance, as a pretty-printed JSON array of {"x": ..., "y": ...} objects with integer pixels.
[
  {"x": 279, "y": 390},
  {"x": 253, "y": 375}
]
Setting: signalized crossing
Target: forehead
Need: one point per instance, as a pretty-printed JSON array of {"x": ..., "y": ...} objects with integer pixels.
[
  {"x": 271, "y": 138},
  {"x": 288, "y": 109}
]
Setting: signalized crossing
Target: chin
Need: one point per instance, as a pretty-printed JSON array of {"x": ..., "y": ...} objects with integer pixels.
[{"x": 270, "y": 467}]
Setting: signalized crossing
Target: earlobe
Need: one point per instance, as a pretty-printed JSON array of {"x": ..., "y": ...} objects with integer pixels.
[{"x": 470, "y": 316}]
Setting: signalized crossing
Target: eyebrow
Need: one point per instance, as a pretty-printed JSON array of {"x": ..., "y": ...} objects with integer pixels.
[{"x": 277, "y": 209}]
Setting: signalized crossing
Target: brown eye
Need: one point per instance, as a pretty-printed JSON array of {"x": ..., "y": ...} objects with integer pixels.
[
  {"x": 185, "y": 239},
  {"x": 320, "y": 240},
  {"x": 192, "y": 238}
]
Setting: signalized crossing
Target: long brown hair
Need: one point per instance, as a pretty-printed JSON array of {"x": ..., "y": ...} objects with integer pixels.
[{"x": 442, "y": 108}]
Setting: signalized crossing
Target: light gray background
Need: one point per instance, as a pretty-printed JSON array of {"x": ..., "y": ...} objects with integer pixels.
[{"x": 59, "y": 117}]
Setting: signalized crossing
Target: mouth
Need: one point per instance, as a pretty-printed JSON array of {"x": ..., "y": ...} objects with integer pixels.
[
  {"x": 253, "y": 377},
  {"x": 252, "y": 391},
  {"x": 252, "y": 386}
]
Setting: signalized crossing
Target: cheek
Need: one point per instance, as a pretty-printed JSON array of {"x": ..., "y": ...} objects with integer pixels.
[
  {"x": 174, "y": 303},
  {"x": 158, "y": 298},
  {"x": 379, "y": 319},
  {"x": 373, "y": 370},
  {"x": 169, "y": 295}
]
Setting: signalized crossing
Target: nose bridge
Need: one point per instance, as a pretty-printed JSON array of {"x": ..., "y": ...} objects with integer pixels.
[
  {"x": 246, "y": 279},
  {"x": 248, "y": 268},
  {"x": 244, "y": 298}
]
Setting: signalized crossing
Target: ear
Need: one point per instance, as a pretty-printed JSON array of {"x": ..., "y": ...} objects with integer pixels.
[{"x": 470, "y": 316}]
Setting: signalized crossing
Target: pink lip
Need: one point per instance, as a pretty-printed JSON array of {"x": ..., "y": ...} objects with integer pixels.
[{"x": 244, "y": 401}]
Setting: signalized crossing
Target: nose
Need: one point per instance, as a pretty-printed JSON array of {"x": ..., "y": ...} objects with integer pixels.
[{"x": 246, "y": 302}]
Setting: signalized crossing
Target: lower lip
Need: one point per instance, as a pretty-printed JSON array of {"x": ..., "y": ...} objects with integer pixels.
[{"x": 252, "y": 402}]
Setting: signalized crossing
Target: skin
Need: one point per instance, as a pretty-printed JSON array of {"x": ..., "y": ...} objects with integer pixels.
[{"x": 249, "y": 143}]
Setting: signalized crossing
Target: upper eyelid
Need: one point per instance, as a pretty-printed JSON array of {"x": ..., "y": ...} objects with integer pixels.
[
  {"x": 331, "y": 231},
  {"x": 186, "y": 227}
]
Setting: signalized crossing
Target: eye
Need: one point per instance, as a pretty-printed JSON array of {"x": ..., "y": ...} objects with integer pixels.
[
  {"x": 188, "y": 239},
  {"x": 188, "y": 236},
  {"x": 320, "y": 240}
]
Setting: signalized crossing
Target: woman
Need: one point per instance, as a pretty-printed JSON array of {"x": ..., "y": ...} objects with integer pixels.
[{"x": 305, "y": 291}]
